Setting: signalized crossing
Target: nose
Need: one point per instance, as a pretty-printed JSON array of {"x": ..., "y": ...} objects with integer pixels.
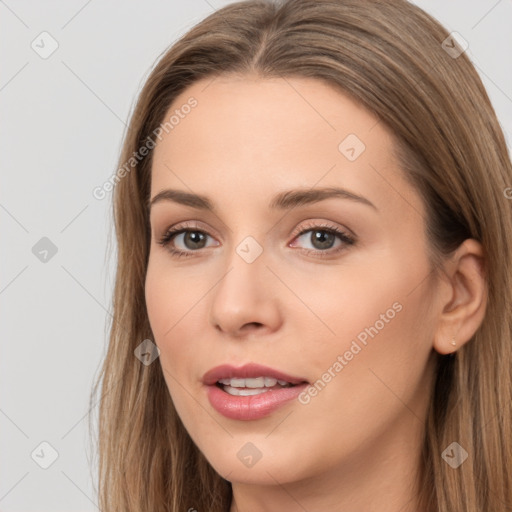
[{"x": 246, "y": 299}]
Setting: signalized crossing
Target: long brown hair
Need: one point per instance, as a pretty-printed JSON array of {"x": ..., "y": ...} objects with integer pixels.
[{"x": 394, "y": 59}]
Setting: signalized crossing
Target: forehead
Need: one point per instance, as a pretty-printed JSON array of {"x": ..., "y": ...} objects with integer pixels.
[{"x": 260, "y": 135}]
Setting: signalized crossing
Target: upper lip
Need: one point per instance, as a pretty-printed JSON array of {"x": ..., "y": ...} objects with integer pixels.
[{"x": 247, "y": 371}]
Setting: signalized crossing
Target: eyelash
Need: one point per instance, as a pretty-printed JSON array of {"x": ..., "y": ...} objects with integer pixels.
[{"x": 347, "y": 239}]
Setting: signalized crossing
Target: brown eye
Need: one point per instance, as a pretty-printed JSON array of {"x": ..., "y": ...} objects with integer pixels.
[{"x": 194, "y": 239}]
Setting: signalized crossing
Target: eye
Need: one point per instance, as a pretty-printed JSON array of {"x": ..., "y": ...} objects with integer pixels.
[
  {"x": 191, "y": 239},
  {"x": 323, "y": 239}
]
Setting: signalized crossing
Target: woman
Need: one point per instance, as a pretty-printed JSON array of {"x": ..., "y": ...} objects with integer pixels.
[{"x": 312, "y": 300}]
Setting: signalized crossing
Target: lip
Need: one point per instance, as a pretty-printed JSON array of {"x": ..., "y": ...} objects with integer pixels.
[
  {"x": 247, "y": 371},
  {"x": 251, "y": 407}
]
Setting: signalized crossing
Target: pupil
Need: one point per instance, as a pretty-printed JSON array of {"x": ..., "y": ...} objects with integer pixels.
[
  {"x": 195, "y": 238},
  {"x": 322, "y": 239}
]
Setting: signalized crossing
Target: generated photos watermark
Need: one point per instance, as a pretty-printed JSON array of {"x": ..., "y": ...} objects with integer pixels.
[
  {"x": 355, "y": 348},
  {"x": 174, "y": 120}
]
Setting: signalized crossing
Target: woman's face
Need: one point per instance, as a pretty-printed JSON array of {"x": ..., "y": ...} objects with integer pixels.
[{"x": 329, "y": 291}]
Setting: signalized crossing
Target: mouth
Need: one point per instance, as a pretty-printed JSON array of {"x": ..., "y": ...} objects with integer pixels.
[
  {"x": 252, "y": 386},
  {"x": 251, "y": 391}
]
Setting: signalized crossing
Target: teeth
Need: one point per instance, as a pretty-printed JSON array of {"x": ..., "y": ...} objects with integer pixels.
[
  {"x": 254, "y": 383},
  {"x": 244, "y": 391},
  {"x": 258, "y": 382}
]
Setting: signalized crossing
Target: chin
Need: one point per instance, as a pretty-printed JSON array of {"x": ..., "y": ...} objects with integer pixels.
[{"x": 245, "y": 463}]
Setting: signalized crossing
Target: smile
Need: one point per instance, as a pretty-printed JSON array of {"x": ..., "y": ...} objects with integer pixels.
[{"x": 250, "y": 392}]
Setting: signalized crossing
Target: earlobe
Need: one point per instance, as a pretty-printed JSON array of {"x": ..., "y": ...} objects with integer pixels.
[
  {"x": 461, "y": 314},
  {"x": 446, "y": 344}
]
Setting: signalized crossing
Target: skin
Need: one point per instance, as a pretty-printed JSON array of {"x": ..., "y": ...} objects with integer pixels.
[{"x": 356, "y": 444}]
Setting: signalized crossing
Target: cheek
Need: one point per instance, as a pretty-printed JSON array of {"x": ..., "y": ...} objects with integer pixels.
[
  {"x": 159, "y": 301},
  {"x": 375, "y": 361},
  {"x": 169, "y": 293},
  {"x": 376, "y": 317},
  {"x": 169, "y": 311},
  {"x": 357, "y": 302},
  {"x": 166, "y": 302},
  {"x": 176, "y": 311}
]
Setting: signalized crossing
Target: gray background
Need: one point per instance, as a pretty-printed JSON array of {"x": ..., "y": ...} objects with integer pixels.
[{"x": 63, "y": 119}]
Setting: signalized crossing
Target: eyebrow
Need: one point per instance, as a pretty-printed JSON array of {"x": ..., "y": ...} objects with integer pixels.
[{"x": 283, "y": 201}]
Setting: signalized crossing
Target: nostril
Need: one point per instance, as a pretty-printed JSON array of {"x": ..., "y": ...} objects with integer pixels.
[
  {"x": 249, "y": 325},
  {"x": 256, "y": 324}
]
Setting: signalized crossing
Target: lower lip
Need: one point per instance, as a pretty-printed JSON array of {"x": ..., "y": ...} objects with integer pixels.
[{"x": 251, "y": 407}]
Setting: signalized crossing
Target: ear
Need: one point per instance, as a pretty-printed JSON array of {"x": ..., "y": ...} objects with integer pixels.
[{"x": 463, "y": 297}]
